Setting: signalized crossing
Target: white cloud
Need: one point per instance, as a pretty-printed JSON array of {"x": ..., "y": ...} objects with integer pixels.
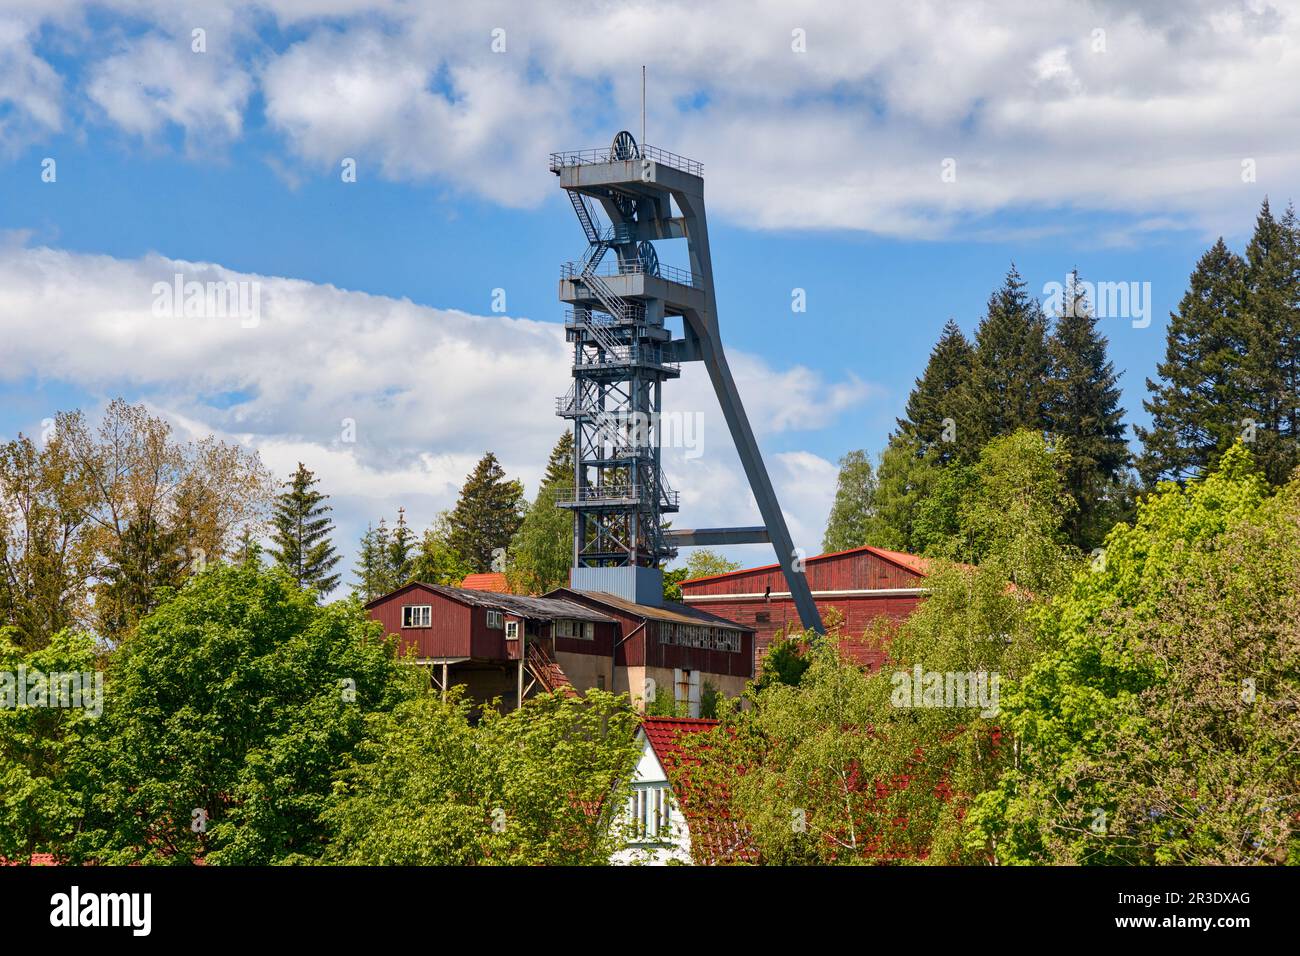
[
  {"x": 30, "y": 90},
  {"x": 156, "y": 81},
  {"x": 429, "y": 389},
  {"x": 1149, "y": 117}
]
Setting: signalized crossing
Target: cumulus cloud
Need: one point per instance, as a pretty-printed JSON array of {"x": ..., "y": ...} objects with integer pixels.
[
  {"x": 426, "y": 390},
  {"x": 1045, "y": 104}
]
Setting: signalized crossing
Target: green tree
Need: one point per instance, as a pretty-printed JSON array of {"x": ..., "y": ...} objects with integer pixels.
[
  {"x": 541, "y": 551},
  {"x": 487, "y": 514},
  {"x": 1159, "y": 726},
  {"x": 1195, "y": 408},
  {"x": 40, "y": 803},
  {"x": 436, "y": 561},
  {"x": 400, "y": 561},
  {"x": 1087, "y": 418},
  {"x": 300, "y": 535},
  {"x": 226, "y": 719},
  {"x": 904, "y": 481},
  {"x": 370, "y": 568},
  {"x": 1010, "y": 382},
  {"x": 48, "y": 547},
  {"x": 854, "y": 510},
  {"x": 542, "y": 784},
  {"x": 1270, "y": 365},
  {"x": 936, "y": 415}
]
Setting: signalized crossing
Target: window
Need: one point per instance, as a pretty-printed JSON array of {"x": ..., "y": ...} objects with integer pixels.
[
  {"x": 650, "y": 813},
  {"x": 512, "y": 630},
  {"x": 494, "y": 620},
  {"x": 417, "y": 615},
  {"x": 763, "y": 617},
  {"x": 579, "y": 630}
]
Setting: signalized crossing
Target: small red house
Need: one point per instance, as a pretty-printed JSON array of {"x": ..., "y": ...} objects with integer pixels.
[
  {"x": 862, "y": 584},
  {"x": 506, "y": 645},
  {"x": 499, "y": 645}
]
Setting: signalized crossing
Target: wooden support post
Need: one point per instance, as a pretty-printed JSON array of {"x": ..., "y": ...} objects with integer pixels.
[{"x": 444, "y": 682}]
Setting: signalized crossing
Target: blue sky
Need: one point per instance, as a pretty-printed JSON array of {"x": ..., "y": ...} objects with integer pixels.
[{"x": 822, "y": 169}]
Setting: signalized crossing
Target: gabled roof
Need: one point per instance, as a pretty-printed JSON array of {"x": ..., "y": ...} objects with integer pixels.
[
  {"x": 533, "y": 608},
  {"x": 908, "y": 562},
  {"x": 715, "y": 836},
  {"x": 670, "y": 611}
]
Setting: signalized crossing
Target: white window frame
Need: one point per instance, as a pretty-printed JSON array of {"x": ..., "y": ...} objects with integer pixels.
[
  {"x": 512, "y": 630},
  {"x": 649, "y": 810},
  {"x": 422, "y": 619},
  {"x": 495, "y": 620}
]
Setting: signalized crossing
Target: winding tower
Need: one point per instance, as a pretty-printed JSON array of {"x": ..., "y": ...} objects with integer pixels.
[{"x": 619, "y": 300}]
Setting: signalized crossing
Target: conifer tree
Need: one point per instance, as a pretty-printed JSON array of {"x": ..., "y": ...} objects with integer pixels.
[
  {"x": 937, "y": 409},
  {"x": 1196, "y": 406},
  {"x": 399, "y": 559},
  {"x": 487, "y": 514},
  {"x": 301, "y": 533},
  {"x": 1087, "y": 416},
  {"x": 1009, "y": 388},
  {"x": 369, "y": 568},
  {"x": 1270, "y": 361}
]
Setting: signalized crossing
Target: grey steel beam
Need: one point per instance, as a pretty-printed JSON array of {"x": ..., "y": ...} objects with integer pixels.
[{"x": 709, "y": 537}]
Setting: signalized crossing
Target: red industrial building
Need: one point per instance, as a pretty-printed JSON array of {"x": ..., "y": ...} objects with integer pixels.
[
  {"x": 863, "y": 584},
  {"x": 508, "y": 645}
]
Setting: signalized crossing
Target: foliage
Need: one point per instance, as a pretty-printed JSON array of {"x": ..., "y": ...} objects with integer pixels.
[
  {"x": 98, "y": 521},
  {"x": 436, "y": 561},
  {"x": 1231, "y": 370},
  {"x": 301, "y": 534},
  {"x": 1160, "y": 727},
  {"x": 538, "y": 785},
  {"x": 702, "y": 563},
  {"x": 39, "y": 806},
  {"x": 940, "y": 398},
  {"x": 1087, "y": 420},
  {"x": 541, "y": 551},
  {"x": 486, "y": 516},
  {"x": 239, "y": 698},
  {"x": 854, "y": 509}
]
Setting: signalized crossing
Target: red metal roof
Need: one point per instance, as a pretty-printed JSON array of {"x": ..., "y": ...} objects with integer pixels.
[{"x": 910, "y": 562}]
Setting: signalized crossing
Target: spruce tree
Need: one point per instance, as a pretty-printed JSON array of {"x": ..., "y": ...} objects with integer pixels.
[
  {"x": 368, "y": 569},
  {"x": 855, "y": 504},
  {"x": 1010, "y": 388},
  {"x": 1087, "y": 417},
  {"x": 1271, "y": 309},
  {"x": 487, "y": 514},
  {"x": 936, "y": 415},
  {"x": 301, "y": 533},
  {"x": 559, "y": 467},
  {"x": 399, "y": 558},
  {"x": 1196, "y": 407}
]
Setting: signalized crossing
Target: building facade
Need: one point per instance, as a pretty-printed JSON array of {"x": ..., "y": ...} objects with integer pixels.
[{"x": 862, "y": 585}]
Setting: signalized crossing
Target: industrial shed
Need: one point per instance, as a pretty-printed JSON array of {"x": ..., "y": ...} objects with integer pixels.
[{"x": 863, "y": 584}]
